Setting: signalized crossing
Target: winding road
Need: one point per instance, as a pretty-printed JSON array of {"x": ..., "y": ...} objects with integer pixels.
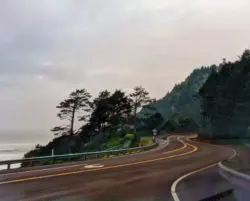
[{"x": 179, "y": 170}]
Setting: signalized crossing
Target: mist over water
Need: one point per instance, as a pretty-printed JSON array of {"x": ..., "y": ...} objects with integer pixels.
[{"x": 14, "y": 144}]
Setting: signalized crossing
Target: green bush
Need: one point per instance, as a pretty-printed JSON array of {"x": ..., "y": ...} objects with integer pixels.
[{"x": 130, "y": 136}]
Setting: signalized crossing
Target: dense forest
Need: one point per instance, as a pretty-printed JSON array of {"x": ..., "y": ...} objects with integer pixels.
[
  {"x": 179, "y": 110},
  {"x": 225, "y": 100}
]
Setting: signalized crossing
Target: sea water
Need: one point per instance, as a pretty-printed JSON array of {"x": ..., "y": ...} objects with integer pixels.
[{"x": 14, "y": 144}]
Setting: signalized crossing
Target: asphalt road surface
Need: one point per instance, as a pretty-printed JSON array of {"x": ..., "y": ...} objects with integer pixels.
[{"x": 145, "y": 176}]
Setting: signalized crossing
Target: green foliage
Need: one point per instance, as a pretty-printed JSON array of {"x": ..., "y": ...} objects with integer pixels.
[
  {"x": 113, "y": 142},
  {"x": 150, "y": 123},
  {"x": 117, "y": 142},
  {"x": 181, "y": 101},
  {"x": 130, "y": 136},
  {"x": 225, "y": 99},
  {"x": 62, "y": 145},
  {"x": 72, "y": 144},
  {"x": 107, "y": 125},
  {"x": 215, "y": 99},
  {"x": 180, "y": 124},
  {"x": 109, "y": 110}
]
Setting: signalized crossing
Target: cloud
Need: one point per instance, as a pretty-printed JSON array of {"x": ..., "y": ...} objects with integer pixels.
[{"x": 49, "y": 47}]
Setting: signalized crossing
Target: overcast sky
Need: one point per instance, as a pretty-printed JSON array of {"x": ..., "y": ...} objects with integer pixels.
[{"x": 50, "y": 47}]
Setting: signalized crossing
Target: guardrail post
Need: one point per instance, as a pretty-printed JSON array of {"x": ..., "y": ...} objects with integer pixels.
[
  {"x": 8, "y": 166},
  {"x": 52, "y": 154}
]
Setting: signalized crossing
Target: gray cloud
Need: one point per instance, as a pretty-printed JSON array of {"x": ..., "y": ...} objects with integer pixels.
[{"x": 49, "y": 47}]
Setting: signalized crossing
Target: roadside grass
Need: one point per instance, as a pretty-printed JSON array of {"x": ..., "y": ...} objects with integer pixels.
[
  {"x": 147, "y": 141},
  {"x": 115, "y": 142}
]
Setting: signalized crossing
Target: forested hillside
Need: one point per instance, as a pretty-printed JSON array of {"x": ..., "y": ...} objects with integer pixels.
[
  {"x": 225, "y": 100},
  {"x": 214, "y": 101},
  {"x": 181, "y": 104}
]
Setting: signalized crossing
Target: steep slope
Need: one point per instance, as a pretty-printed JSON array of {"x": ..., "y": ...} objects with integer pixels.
[
  {"x": 225, "y": 99},
  {"x": 182, "y": 101}
]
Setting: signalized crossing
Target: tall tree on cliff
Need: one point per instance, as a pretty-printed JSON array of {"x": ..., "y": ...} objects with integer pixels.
[
  {"x": 76, "y": 106},
  {"x": 110, "y": 110},
  {"x": 100, "y": 106},
  {"x": 140, "y": 97}
]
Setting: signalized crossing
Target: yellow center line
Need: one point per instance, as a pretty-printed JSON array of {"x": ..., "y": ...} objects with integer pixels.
[
  {"x": 104, "y": 168},
  {"x": 175, "y": 150}
]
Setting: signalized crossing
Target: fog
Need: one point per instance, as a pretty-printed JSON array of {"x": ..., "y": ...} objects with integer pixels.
[{"x": 50, "y": 47}]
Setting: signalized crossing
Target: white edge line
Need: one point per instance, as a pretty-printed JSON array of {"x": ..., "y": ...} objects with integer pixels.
[
  {"x": 40, "y": 170},
  {"x": 174, "y": 185},
  {"x": 232, "y": 171},
  {"x": 234, "y": 154}
]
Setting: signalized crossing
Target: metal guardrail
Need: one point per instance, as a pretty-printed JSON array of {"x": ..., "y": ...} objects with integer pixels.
[
  {"x": 232, "y": 169},
  {"x": 240, "y": 180},
  {"x": 230, "y": 173},
  {"x": 80, "y": 156}
]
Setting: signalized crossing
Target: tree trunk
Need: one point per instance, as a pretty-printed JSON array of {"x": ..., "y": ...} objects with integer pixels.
[
  {"x": 135, "y": 110},
  {"x": 135, "y": 118},
  {"x": 72, "y": 121}
]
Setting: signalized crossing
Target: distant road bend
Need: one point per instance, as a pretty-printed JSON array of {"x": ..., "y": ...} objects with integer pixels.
[{"x": 146, "y": 176}]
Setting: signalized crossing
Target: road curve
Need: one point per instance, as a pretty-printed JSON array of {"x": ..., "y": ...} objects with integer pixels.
[{"x": 147, "y": 176}]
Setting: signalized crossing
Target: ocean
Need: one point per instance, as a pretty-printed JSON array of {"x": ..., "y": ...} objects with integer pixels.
[{"x": 14, "y": 144}]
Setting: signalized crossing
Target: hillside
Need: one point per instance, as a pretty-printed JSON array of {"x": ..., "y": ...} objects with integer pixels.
[
  {"x": 225, "y": 99},
  {"x": 181, "y": 102},
  {"x": 74, "y": 144}
]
